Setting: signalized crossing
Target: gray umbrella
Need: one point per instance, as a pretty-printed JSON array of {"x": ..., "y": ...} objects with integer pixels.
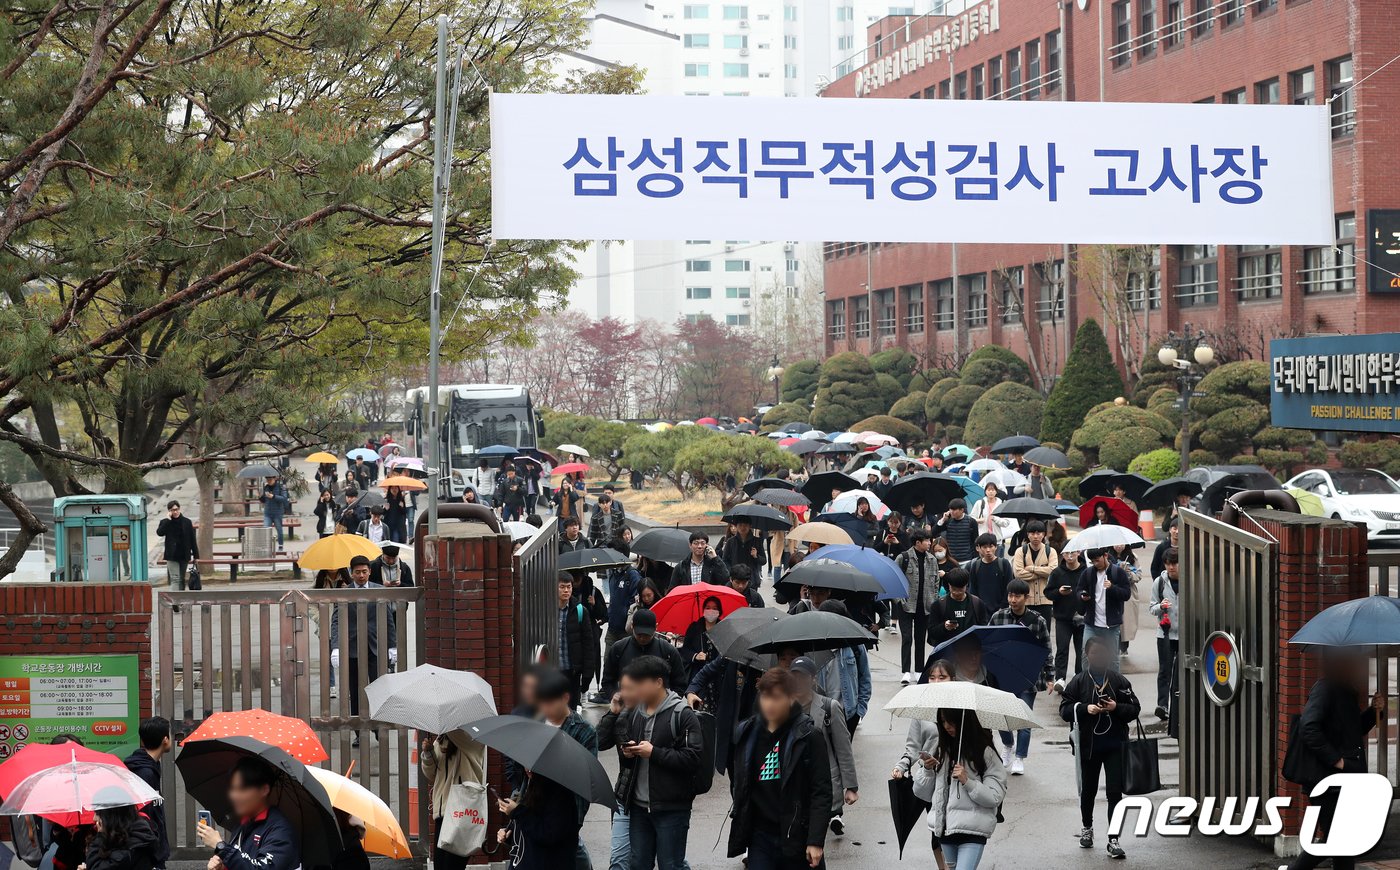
[
  {"x": 783, "y": 497},
  {"x": 250, "y": 471},
  {"x": 1027, "y": 509},
  {"x": 431, "y": 699}
]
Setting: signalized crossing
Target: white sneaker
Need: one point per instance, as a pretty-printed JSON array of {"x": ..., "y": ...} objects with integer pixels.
[
  {"x": 906, "y": 678},
  {"x": 1007, "y": 753},
  {"x": 1018, "y": 766},
  {"x": 1059, "y": 687}
]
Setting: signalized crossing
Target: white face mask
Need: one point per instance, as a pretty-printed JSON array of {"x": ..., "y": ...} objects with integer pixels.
[
  {"x": 939, "y": 554},
  {"x": 712, "y": 616}
]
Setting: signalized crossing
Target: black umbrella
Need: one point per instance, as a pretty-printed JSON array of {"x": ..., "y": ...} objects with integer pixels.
[
  {"x": 761, "y": 517},
  {"x": 933, "y": 489},
  {"x": 1164, "y": 493},
  {"x": 1015, "y": 444},
  {"x": 746, "y": 427},
  {"x": 837, "y": 449},
  {"x": 1047, "y": 457},
  {"x": 803, "y": 447},
  {"x": 1027, "y": 509},
  {"x": 1134, "y": 485},
  {"x": 250, "y": 471},
  {"x": 781, "y": 497},
  {"x": 207, "y": 765},
  {"x": 1097, "y": 483},
  {"x": 663, "y": 545},
  {"x": 831, "y": 574},
  {"x": 819, "y": 486},
  {"x": 372, "y": 499},
  {"x": 904, "y": 807},
  {"x": 594, "y": 558},
  {"x": 541, "y": 748},
  {"x": 754, "y": 486},
  {"x": 813, "y": 630},
  {"x": 796, "y": 428},
  {"x": 734, "y": 635}
]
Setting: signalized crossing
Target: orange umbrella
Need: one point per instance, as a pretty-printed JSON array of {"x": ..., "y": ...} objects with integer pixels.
[
  {"x": 383, "y": 835},
  {"x": 293, "y": 736},
  {"x": 403, "y": 482}
]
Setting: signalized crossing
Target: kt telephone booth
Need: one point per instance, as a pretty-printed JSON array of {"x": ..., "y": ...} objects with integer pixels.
[{"x": 99, "y": 538}]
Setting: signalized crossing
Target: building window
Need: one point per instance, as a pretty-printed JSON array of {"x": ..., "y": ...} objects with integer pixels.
[
  {"x": 943, "y": 304},
  {"x": 837, "y": 317},
  {"x": 789, "y": 70},
  {"x": 960, "y": 87},
  {"x": 697, "y": 265},
  {"x": 736, "y": 292},
  {"x": 790, "y": 42},
  {"x": 1147, "y": 27},
  {"x": 1052, "y": 61},
  {"x": 913, "y": 307},
  {"x": 1302, "y": 87},
  {"x": 790, "y": 14},
  {"x": 887, "y": 316},
  {"x": 1122, "y": 49},
  {"x": 736, "y": 319},
  {"x": 1012, "y": 293},
  {"x": 697, "y": 292},
  {"x": 945, "y": 89},
  {"x": 1332, "y": 270},
  {"x": 1339, "y": 89},
  {"x": 862, "y": 317},
  {"x": 1264, "y": 5},
  {"x": 1232, "y": 11},
  {"x": 1233, "y": 98},
  {"x": 931, "y": 92},
  {"x": 737, "y": 265},
  {"x": 1197, "y": 278},
  {"x": 736, "y": 40},
  {"x": 994, "y": 78},
  {"x": 1176, "y": 24},
  {"x": 1267, "y": 93},
  {"x": 843, "y": 43},
  {"x": 1202, "y": 17},
  {"x": 1013, "y": 74},
  {"x": 736, "y": 70},
  {"x": 736, "y": 13},
  {"x": 843, "y": 13},
  {"x": 979, "y": 82},
  {"x": 1259, "y": 272},
  {"x": 793, "y": 265},
  {"x": 1033, "y": 70},
  {"x": 697, "y": 70},
  {"x": 695, "y": 11},
  {"x": 697, "y": 40},
  {"x": 693, "y": 319},
  {"x": 1144, "y": 280},
  {"x": 976, "y": 286},
  {"x": 1051, "y": 304}
]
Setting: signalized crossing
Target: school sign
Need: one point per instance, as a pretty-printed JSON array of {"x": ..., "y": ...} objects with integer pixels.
[{"x": 1345, "y": 382}]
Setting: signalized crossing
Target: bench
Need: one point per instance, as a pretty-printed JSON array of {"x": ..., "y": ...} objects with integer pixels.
[
  {"x": 234, "y": 561},
  {"x": 291, "y": 524}
]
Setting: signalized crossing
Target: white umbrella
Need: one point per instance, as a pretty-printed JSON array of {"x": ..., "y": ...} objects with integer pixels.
[
  {"x": 431, "y": 699},
  {"x": 572, "y": 448},
  {"x": 846, "y": 438},
  {"x": 1005, "y": 479},
  {"x": 1106, "y": 535},
  {"x": 814, "y": 435},
  {"x": 996, "y": 710},
  {"x": 984, "y": 465},
  {"x": 845, "y": 503},
  {"x": 519, "y": 531},
  {"x": 875, "y": 439}
]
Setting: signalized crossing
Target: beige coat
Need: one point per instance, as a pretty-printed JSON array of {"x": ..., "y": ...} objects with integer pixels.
[
  {"x": 467, "y": 764},
  {"x": 1035, "y": 570}
]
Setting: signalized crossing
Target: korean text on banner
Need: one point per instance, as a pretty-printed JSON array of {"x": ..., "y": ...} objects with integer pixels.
[{"x": 633, "y": 167}]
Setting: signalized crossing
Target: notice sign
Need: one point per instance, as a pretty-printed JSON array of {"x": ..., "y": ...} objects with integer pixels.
[
  {"x": 567, "y": 166},
  {"x": 94, "y": 697},
  {"x": 1347, "y": 383}
]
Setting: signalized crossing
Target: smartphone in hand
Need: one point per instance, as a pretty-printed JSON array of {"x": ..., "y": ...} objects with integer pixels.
[{"x": 205, "y": 817}]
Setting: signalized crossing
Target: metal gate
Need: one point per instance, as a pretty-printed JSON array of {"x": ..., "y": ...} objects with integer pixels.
[
  {"x": 271, "y": 649},
  {"x": 1227, "y": 595}
]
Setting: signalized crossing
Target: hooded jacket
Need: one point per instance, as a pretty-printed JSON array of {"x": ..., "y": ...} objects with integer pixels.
[
  {"x": 664, "y": 781},
  {"x": 143, "y": 765},
  {"x": 955, "y": 808},
  {"x": 909, "y": 563},
  {"x": 265, "y": 842},
  {"x": 137, "y": 853},
  {"x": 806, "y": 797}
]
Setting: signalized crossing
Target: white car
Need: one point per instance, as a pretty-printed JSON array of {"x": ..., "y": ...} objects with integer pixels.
[{"x": 1359, "y": 494}]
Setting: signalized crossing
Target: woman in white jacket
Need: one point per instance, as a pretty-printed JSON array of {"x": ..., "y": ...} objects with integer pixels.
[
  {"x": 989, "y": 522},
  {"x": 964, "y": 782},
  {"x": 923, "y": 738}
]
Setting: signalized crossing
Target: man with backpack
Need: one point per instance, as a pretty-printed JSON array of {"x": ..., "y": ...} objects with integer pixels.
[
  {"x": 577, "y": 647},
  {"x": 920, "y": 569},
  {"x": 145, "y": 763},
  {"x": 988, "y": 574},
  {"x": 829, "y": 721},
  {"x": 663, "y": 765},
  {"x": 642, "y": 642}
]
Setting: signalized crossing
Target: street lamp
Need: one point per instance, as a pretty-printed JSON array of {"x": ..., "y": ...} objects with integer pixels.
[
  {"x": 1185, "y": 353},
  {"x": 775, "y": 374}
]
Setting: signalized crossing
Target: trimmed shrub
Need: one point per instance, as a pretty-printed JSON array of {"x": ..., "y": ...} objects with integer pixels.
[
  {"x": 1006, "y": 409},
  {"x": 1067, "y": 484},
  {"x": 1157, "y": 465},
  {"x": 1230, "y": 431},
  {"x": 896, "y": 362},
  {"x": 844, "y": 392},
  {"x": 933, "y": 402},
  {"x": 1153, "y": 376},
  {"x": 1384, "y": 455},
  {"x": 1089, "y": 377},
  {"x": 780, "y": 415},
  {"x": 889, "y": 388},
  {"x": 799, "y": 382},
  {"x": 1014, "y": 368},
  {"x": 891, "y": 426},
  {"x": 910, "y": 409},
  {"x": 1272, "y": 437},
  {"x": 1122, "y": 446},
  {"x": 957, "y": 404},
  {"x": 1088, "y": 444},
  {"x": 1163, "y": 403},
  {"x": 1204, "y": 457},
  {"x": 923, "y": 380},
  {"x": 1225, "y": 386}
]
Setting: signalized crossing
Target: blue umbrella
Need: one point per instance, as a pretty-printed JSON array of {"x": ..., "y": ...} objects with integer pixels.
[
  {"x": 972, "y": 493},
  {"x": 892, "y": 581},
  {"x": 857, "y": 528},
  {"x": 887, "y": 451},
  {"x": 498, "y": 450},
  {"x": 1009, "y": 652},
  {"x": 1373, "y": 621},
  {"x": 363, "y": 453}
]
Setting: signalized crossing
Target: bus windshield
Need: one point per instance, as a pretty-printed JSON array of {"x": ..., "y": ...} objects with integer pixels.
[{"x": 479, "y": 425}]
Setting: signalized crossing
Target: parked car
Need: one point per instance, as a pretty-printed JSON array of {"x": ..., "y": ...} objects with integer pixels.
[
  {"x": 1219, "y": 482},
  {"x": 1359, "y": 494}
]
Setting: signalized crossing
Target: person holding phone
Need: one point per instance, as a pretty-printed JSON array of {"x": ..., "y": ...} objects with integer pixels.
[
  {"x": 964, "y": 782},
  {"x": 446, "y": 760},
  {"x": 1061, "y": 590},
  {"x": 922, "y": 740},
  {"x": 266, "y": 840},
  {"x": 1103, "y": 590}
]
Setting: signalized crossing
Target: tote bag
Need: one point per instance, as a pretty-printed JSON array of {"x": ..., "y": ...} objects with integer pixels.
[
  {"x": 1140, "y": 771},
  {"x": 463, "y": 829}
]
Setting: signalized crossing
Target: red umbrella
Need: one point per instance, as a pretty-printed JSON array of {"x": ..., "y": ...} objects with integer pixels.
[
  {"x": 38, "y": 757},
  {"x": 786, "y": 441},
  {"x": 683, "y": 605},
  {"x": 703, "y": 421},
  {"x": 570, "y": 468},
  {"x": 1117, "y": 508},
  {"x": 293, "y": 736}
]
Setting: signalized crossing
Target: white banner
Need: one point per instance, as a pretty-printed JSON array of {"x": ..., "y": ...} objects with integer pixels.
[{"x": 635, "y": 167}]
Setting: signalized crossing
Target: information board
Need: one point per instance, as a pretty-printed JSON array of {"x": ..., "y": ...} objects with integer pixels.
[{"x": 94, "y": 697}]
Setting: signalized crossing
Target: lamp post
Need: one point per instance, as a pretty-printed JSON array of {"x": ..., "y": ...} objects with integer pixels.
[
  {"x": 1186, "y": 353},
  {"x": 775, "y": 374}
]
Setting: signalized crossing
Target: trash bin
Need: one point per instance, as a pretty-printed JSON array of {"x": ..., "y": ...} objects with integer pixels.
[{"x": 259, "y": 542}]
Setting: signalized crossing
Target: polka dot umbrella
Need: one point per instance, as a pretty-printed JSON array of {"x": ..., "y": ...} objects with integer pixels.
[{"x": 292, "y": 736}]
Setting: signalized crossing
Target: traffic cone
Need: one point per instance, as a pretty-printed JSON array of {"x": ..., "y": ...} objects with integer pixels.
[{"x": 1149, "y": 525}]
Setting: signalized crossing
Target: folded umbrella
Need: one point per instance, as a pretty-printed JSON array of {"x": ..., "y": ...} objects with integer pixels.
[
  {"x": 1027, "y": 509},
  {"x": 291, "y": 735},
  {"x": 893, "y": 583},
  {"x": 905, "y": 808},
  {"x": 430, "y": 699},
  {"x": 996, "y": 710},
  {"x": 548, "y": 751},
  {"x": 207, "y": 765},
  {"x": 1371, "y": 621},
  {"x": 77, "y": 789},
  {"x": 592, "y": 559},
  {"x": 334, "y": 552},
  {"x": 681, "y": 607},
  {"x": 817, "y": 533},
  {"x": 1098, "y": 537},
  {"x": 383, "y": 834},
  {"x": 1163, "y": 493},
  {"x": 1015, "y": 444},
  {"x": 1117, "y": 509},
  {"x": 821, "y": 487},
  {"x": 813, "y": 630},
  {"x": 663, "y": 545},
  {"x": 1009, "y": 652},
  {"x": 781, "y": 497},
  {"x": 1047, "y": 457},
  {"x": 761, "y": 517},
  {"x": 933, "y": 490},
  {"x": 251, "y": 471},
  {"x": 754, "y": 486}
]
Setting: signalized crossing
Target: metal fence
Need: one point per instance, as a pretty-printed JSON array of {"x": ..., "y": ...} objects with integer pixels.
[
  {"x": 536, "y": 567},
  {"x": 220, "y": 651},
  {"x": 1385, "y": 569}
]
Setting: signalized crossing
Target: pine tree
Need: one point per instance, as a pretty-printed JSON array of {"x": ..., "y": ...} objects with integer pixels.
[{"x": 1090, "y": 377}]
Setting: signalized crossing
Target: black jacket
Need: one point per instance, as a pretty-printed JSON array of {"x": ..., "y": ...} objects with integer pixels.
[
  {"x": 623, "y": 652},
  {"x": 372, "y": 626},
  {"x": 180, "y": 542},
  {"x": 711, "y": 571},
  {"x": 137, "y": 853},
  {"x": 568, "y": 546},
  {"x": 265, "y": 842},
  {"x": 1103, "y": 732},
  {"x": 961, "y": 535},
  {"x": 806, "y": 786},
  {"x": 987, "y": 580},
  {"x": 143, "y": 765},
  {"x": 376, "y": 572},
  {"x": 545, "y": 827},
  {"x": 732, "y": 686},
  {"x": 739, "y": 551},
  {"x": 966, "y": 613},
  {"x": 1064, "y": 606},
  {"x": 1333, "y": 727},
  {"x": 578, "y": 634},
  {"x": 1115, "y": 596},
  {"x": 673, "y": 762}
]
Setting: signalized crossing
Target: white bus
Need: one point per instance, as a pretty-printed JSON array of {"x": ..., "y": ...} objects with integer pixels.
[{"x": 472, "y": 417}]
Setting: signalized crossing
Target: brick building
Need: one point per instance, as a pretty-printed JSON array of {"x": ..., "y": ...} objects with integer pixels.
[{"x": 941, "y": 300}]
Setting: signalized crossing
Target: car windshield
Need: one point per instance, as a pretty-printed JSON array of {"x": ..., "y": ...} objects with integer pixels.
[{"x": 1364, "y": 483}]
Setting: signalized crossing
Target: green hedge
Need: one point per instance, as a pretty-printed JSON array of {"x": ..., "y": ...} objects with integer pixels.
[
  {"x": 1157, "y": 465},
  {"x": 1006, "y": 409}
]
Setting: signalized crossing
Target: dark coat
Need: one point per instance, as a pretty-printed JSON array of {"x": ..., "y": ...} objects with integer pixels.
[
  {"x": 625, "y": 651},
  {"x": 732, "y": 685},
  {"x": 945, "y": 609},
  {"x": 961, "y": 535},
  {"x": 595, "y": 522},
  {"x": 1333, "y": 727},
  {"x": 987, "y": 580},
  {"x": 806, "y": 787},
  {"x": 143, "y": 765},
  {"x": 510, "y": 491},
  {"x": 578, "y": 631},
  {"x": 545, "y": 827},
  {"x": 137, "y": 853},
  {"x": 352, "y": 627},
  {"x": 674, "y": 760},
  {"x": 1117, "y": 594},
  {"x": 568, "y": 546},
  {"x": 376, "y": 572},
  {"x": 265, "y": 842},
  {"x": 1064, "y": 606},
  {"x": 751, "y": 551},
  {"x": 712, "y": 570},
  {"x": 180, "y": 542},
  {"x": 1103, "y": 732},
  {"x": 697, "y": 641}
]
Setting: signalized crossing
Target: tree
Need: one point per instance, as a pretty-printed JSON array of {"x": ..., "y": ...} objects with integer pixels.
[
  {"x": 723, "y": 463},
  {"x": 891, "y": 426},
  {"x": 1152, "y": 376},
  {"x": 1122, "y": 277},
  {"x": 608, "y": 350},
  {"x": 720, "y": 369},
  {"x": 889, "y": 389},
  {"x": 911, "y": 409},
  {"x": 654, "y": 453},
  {"x": 896, "y": 362},
  {"x": 933, "y": 402},
  {"x": 1089, "y": 378},
  {"x": 845, "y": 392},
  {"x": 992, "y": 364},
  {"x": 780, "y": 415},
  {"x": 1006, "y": 409},
  {"x": 1156, "y": 465},
  {"x": 799, "y": 382},
  {"x": 1101, "y": 433}
]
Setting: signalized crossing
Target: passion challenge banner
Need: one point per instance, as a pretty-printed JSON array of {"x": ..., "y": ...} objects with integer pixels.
[{"x": 636, "y": 167}]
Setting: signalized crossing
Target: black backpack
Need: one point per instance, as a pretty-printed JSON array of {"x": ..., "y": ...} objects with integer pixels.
[{"x": 704, "y": 777}]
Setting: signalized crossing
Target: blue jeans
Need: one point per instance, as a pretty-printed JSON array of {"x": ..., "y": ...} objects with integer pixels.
[
  {"x": 621, "y": 841},
  {"x": 1023, "y": 735},
  {"x": 1110, "y": 634},
  {"x": 274, "y": 521},
  {"x": 964, "y": 857},
  {"x": 657, "y": 839}
]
